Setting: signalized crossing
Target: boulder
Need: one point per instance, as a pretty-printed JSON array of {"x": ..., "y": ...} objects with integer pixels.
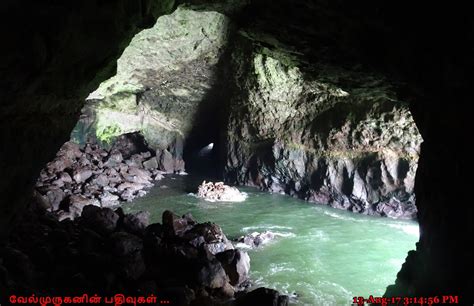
[
  {"x": 216, "y": 247},
  {"x": 80, "y": 175},
  {"x": 257, "y": 239},
  {"x": 212, "y": 275},
  {"x": 102, "y": 220},
  {"x": 70, "y": 150},
  {"x": 123, "y": 243},
  {"x": 263, "y": 296},
  {"x": 211, "y": 232},
  {"x": 136, "y": 222},
  {"x": 77, "y": 204},
  {"x": 236, "y": 264},
  {"x": 210, "y": 191},
  {"x": 145, "y": 154},
  {"x": 131, "y": 267},
  {"x": 89, "y": 241},
  {"x": 198, "y": 241},
  {"x": 59, "y": 164},
  {"x": 174, "y": 225},
  {"x": 151, "y": 164},
  {"x": 18, "y": 264},
  {"x": 165, "y": 161},
  {"x": 127, "y": 195},
  {"x": 65, "y": 177},
  {"x": 55, "y": 197},
  {"x": 141, "y": 173},
  {"x": 100, "y": 180},
  {"x": 115, "y": 158},
  {"x": 64, "y": 215},
  {"x": 137, "y": 175},
  {"x": 108, "y": 199}
]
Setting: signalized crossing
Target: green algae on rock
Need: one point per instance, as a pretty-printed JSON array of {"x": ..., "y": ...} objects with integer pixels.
[
  {"x": 162, "y": 77},
  {"x": 319, "y": 132}
]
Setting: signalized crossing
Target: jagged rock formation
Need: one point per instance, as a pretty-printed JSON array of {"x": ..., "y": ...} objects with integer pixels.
[
  {"x": 105, "y": 252},
  {"x": 49, "y": 72},
  {"x": 78, "y": 177},
  {"x": 165, "y": 77},
  {"x": 218, "y": 191},
  {"x": 323, "y": 133},
  {"x": 319, "y": 132}
]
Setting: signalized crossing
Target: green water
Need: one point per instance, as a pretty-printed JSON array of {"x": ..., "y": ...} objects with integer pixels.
[{"x": 326, "y": 257}]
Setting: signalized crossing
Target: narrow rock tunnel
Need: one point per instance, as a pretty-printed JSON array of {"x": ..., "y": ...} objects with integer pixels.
[{"x": 267, "y": 83}]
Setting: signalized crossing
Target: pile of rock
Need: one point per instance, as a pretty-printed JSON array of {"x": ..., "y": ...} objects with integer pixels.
[
  {"x": 256, "y": 239},
  {"x": 219, "y": 192},
  {"x": 78, "y": 177},
  {"x": 106, "y": 252}
]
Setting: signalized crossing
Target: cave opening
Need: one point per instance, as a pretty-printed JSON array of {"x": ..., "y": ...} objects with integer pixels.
[
  {"x": 333, "y": 131},
  {"x": 239, "y": 109}
]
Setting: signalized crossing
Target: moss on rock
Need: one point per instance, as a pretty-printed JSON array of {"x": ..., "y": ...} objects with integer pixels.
[
  {"x": 319, "y": 132},
  {"x": 162, "y": 77}
]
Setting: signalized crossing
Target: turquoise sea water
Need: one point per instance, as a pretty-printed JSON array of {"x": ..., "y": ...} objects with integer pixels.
[{"x": 324, "y": 256}]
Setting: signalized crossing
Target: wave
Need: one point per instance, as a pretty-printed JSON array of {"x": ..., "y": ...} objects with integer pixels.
[
  {"x": 320, "y": 235},
  {"x": 265, "y": 227},
  {"x": 410, "y": 229},
  {"x": 341, "y": 217},
  {"x": 278, "y": 268},
  {"x": 238, "y": 198}
]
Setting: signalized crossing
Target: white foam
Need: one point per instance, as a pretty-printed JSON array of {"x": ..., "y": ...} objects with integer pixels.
[
  {"x": 278, "y": 268},
  {"x": 410, "y": 229},
  {"x": 241, "y": 197},
  {"x": 241, "y": 245},
  {"x": 265, "y": 227},
  {"x": 340, "y": 217},
  {"x": 397, "y": 263},
  {"x": 320, "y": 235}
]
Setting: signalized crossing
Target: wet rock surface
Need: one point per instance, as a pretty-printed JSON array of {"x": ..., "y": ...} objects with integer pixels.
[
  {"x": 219, "y": 192},
  {"x": 105, "y": 252},
  {"x": 86, "y": 175},
  {"x": 383, "y": 34},
  {"x": 165, "y": 78},
  {"x": 256, "y": 239},
  {"x": 322, "y": 133}
]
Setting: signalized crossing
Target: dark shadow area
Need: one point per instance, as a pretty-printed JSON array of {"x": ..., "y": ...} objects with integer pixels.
[
  {"x": 56, "y": 52},
  {"x": 210, "y": 126}
]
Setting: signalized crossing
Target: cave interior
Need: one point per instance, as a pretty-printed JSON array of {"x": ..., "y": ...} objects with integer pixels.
[{"x": 55, "y": 54}]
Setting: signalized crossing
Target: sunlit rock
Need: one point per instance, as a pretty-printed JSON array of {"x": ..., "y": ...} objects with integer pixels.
[
  {"x": 322, "y": 133},
  {"x": 163, "y": 78},
  {"x": 210, "y": 191}
]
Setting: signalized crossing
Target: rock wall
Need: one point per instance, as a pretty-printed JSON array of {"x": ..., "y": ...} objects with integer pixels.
[
  {"x": 49, "y": 72},
  {"x": 165, "y": 78},
  {"x": 105, "y": 252},
  {"x": 319, "y": 132}
]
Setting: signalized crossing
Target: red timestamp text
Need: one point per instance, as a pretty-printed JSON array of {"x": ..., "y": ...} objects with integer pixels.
[{"x": 398, "y": 300}]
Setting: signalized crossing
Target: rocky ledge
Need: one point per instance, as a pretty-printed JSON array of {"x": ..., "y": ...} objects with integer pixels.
[
  {"x": 91, "y": 175},
  {"x": 107, "y": 252},
  {"x": 326, "y": 134}
]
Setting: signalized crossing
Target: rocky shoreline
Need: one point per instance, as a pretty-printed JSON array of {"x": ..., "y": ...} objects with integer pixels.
[
  {"x": 83, "y": 238},
  {"x": 106, "y": 252},
  {"x": 218, "y": 191},
  {"x": 91, "y": 175}
]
